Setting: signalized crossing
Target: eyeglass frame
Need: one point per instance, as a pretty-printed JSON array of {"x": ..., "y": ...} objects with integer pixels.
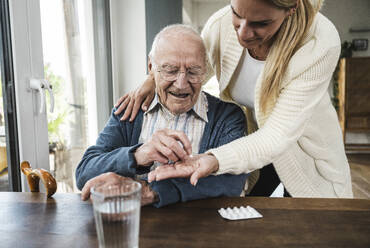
[{"x": 178, "y": 74}]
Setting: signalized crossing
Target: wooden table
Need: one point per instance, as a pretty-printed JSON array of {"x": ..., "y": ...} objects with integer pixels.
[{"x": 31, "y": 220}]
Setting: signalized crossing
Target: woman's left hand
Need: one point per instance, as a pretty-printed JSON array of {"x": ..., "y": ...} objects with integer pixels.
[{"x": 195, "y": 167}]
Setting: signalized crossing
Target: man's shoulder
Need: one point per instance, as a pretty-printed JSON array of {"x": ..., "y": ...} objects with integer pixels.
[
  {"x": 125, "y": 122},
  {"x": 216, "y": 105},
  {"x": 213, "y": 100}
]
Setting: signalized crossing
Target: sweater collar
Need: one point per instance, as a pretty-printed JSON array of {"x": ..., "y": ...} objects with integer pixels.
[{"x": 230, "y": 58}]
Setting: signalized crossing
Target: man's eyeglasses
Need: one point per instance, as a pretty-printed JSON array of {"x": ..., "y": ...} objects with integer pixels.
[{"x": 195, "y": 75}]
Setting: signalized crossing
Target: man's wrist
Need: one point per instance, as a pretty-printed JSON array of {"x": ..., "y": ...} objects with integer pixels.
[
  {"x": 155, "y": 195},
  {"x": 138, "y": 156},
  {"x": 148, "y": 195}
]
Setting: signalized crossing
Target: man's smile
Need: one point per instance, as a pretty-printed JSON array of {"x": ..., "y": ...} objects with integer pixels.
[{"x": 179, "y": 95}]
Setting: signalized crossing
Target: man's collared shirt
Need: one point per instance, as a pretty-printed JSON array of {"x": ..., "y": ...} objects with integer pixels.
[{"x": 192, "y": 123}]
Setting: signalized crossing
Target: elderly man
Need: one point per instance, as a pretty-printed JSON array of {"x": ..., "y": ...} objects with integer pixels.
[{"x": 181, "y": 120}]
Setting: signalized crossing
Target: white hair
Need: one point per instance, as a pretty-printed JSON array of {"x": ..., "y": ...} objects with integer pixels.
[{"x": 175, "y": 30}]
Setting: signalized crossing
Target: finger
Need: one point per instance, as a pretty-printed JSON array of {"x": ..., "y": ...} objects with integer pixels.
[
  {"x": 195, "y": 177},
  {"x": 159, "y": 158},
  {"x": 135, "y": 108},
  {"x": 120, "y": 100},
  {"x": 164, "y": 167},
  {"x": 173, "y": 171},
  {"x": 170, "y": 172},
  {"x": 181, "y": 136},
  {"x": 85, "y": 193},
  {"x": 128, "y": 109},
  {"x": 151, "y": 176},
  {"x": 200, "y": 172},
  {"x": 147, "y": 102},
  {"x": 173, "y": 144},
  {"x": 108, "y": 177},
  {"x": 165, "y": 151},
  {"x": 123, "y": 106}
]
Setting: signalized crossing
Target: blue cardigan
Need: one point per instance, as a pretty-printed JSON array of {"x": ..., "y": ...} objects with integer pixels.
[{"x": 117, "y": 142}]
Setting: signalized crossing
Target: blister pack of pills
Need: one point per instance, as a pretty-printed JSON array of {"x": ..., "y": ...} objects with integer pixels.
[{"x": 240, "y": 213}]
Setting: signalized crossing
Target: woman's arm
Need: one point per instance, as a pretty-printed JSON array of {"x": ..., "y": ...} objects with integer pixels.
[{"x": 293, "y": 109}]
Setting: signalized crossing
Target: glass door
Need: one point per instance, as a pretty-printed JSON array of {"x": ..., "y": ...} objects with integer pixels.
[
  {"x": 65, "y": 55},
  {"x": 4, "y": 178},
  {"x": 4, "y": 181},
  {"x": 9, "y": 150},
  {"x": 62, "y": 46},
  {"x": 76, "y": 55}
]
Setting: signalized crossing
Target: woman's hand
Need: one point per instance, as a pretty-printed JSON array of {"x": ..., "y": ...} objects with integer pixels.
[
  {"x": 195, "y": 167},
  {"x": 130, "y": 102}
]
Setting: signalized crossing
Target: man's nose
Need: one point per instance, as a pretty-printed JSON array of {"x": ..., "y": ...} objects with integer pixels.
[
  {"x": 182, "y": 81},
  {"x": 244, "y": 31}
]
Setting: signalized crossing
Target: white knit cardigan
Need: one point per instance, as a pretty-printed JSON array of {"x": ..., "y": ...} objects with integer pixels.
[{"x": 300, "y": 133}]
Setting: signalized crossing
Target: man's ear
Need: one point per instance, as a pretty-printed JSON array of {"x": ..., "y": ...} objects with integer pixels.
[{"x": 150, "y": 66}]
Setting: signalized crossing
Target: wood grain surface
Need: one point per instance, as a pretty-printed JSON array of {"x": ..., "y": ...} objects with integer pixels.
[{"x": 31, "y": 220}]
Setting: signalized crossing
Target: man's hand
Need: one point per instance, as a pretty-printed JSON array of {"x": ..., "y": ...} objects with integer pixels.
[
  {"x": 196, "y": 167},
  {"x": 148, "y": 196},
  {"x": 106, "y": 178},
  {"x": 164, "y": 145}
]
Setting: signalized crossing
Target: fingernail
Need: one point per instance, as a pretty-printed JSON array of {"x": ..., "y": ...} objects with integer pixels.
[
  {"x": 145, "y": 108},
  {"x": 195, "y": 183}
]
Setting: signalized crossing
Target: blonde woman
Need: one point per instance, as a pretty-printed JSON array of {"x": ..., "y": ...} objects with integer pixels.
[{"x": 274, "y": 58}]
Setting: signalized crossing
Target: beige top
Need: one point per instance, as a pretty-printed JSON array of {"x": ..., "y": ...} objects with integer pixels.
[
  {"x": 246, "y": 74},
  {"x": 300, "y": 133}
]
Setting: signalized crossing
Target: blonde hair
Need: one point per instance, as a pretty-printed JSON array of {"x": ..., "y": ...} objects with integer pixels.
[{"x": 288, "y": 40}]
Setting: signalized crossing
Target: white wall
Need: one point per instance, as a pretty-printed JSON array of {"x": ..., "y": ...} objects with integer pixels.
[
  {"x": 128, "y": 45},
  {"x": 347, "y": 14},
  {"x": 200, "y": 10},
  {"x": 203, "y": 10},
  {"x": 187, "y": 10}
]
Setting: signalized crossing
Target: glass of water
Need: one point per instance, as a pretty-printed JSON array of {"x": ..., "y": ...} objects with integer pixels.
[{"x": 117, "y": 213}]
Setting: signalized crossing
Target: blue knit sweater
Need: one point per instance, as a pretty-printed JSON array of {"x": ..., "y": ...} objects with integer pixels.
[{"x": 117, "y": 142}]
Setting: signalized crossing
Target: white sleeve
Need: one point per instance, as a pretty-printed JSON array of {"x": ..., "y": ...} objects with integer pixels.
[{"x": 293, "y": 109}]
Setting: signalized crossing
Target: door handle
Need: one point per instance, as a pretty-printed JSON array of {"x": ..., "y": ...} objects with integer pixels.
[
  {"x": 40, "y": 85},
  {"x": 49, "y": 88},
  {"x": 37, "y": 85}
]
